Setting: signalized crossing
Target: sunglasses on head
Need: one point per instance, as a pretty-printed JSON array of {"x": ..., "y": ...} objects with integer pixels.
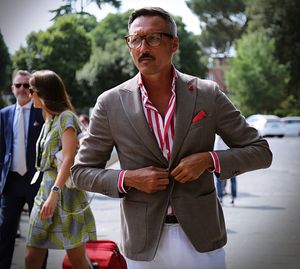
[{"x": 25, "y": 85}]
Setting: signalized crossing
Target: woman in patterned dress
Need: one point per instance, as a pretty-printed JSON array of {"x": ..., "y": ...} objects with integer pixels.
[{"x": 61, "y": 217}]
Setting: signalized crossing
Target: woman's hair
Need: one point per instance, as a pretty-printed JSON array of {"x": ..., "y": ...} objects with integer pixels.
[
  {"x": 154, "y": 11},
  {"x": 51, "y": 89}
]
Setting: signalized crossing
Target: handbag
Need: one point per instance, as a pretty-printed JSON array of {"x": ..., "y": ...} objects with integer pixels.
[{"x": 103, "y": 254}]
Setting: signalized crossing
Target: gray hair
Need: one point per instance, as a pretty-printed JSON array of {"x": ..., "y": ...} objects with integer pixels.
[
  {"x": 20, "y": 73},
  {"x": 154, "y": 11}
]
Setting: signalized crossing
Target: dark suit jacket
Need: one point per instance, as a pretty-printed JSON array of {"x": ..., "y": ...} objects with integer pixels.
[
  {"x": 6, "y": 141},
  {"x": 118, "y": 120}
]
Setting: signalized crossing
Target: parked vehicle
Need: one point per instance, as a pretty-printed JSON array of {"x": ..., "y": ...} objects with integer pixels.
[
  {"x": 267, "y": 125},
  {"x": 291, "y": 125}
]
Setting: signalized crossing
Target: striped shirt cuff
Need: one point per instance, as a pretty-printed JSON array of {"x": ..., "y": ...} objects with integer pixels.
[
  {"x": 215, "y": 158},
  {"x": 121, "y": 182}
]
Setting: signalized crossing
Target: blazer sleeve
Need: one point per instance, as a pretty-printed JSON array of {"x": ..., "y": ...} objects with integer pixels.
[
  {"x": 247, "y": 150},
  {"x": 89, "y": 171},
  {"x": 2, "y": 146}
]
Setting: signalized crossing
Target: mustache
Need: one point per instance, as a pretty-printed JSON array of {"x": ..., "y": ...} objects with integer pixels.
[{"x": 146, "y": 55}]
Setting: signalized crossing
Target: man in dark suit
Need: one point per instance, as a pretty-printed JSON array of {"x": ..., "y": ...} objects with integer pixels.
[
  {"x": 17, "y": 167},
  {"x": 163, "y": 123}
]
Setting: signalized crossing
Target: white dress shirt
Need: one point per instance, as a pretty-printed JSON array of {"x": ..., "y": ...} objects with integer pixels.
[{"x": 26, "y": 110}]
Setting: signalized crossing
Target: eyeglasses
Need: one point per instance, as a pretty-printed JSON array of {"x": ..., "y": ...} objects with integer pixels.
[
  {"x": 152, "y": 39},
  {"x": 25, "y": 85}
]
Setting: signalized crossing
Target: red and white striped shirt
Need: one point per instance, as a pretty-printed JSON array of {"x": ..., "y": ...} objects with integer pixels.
[{"x": 162, "y": 128}]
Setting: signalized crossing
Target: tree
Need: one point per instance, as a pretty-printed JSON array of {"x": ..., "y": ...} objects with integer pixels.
[
  {"x": 19, "y": 59},
  {"x": 280, "y": 21},
  {"x": 190, "y": 57},
  {"x": 5, "y": 70},
  {"x": 222, "y": 22},
  {"x": 64, "y": 48},
  {"x": 69, "y": 7},
  {"x": 255, "y": 77},
  {"x": 111, "y": 63}
]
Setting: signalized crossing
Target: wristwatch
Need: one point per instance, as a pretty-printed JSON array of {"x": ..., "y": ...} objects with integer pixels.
[{"x": 56, "y": 189}]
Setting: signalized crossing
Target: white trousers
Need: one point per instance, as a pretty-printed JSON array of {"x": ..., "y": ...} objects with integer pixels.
[{"x": 175, "y": 251}]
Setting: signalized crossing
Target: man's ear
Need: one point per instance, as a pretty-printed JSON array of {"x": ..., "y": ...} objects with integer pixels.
[{"x": 175, "y": 44}]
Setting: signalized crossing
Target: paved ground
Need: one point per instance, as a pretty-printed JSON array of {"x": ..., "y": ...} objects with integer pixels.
[{"x": 263, "y": 226}]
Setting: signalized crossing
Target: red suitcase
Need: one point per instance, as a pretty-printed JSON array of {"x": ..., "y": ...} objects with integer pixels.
[{"x": 105, "y": 253}]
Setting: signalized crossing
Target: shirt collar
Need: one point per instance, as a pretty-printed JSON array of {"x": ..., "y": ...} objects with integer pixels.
[
  {"x": 26, "y": 106},
  {"x": 144, "y": 91}
]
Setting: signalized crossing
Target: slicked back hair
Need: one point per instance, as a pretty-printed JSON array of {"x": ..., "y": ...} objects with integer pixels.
[
  {"x": 20, "y": 73},
  {"x": 154, "y": 11}
]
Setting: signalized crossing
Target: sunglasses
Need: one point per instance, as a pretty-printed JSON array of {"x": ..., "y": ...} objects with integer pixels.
[{"x": 25, "y": 85}]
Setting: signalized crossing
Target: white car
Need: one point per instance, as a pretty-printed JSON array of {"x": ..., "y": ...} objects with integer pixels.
[
  {"x": 291, "y": 125},
  {"x": 267, "y": 125}
]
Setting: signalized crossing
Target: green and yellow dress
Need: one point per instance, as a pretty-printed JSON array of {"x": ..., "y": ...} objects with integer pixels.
[{"x": 65, "y": 230}]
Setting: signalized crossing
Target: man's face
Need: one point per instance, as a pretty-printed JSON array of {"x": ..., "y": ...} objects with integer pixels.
[
  {"x": 20, "y": 89},
  {"x": 151, "y": 60}
]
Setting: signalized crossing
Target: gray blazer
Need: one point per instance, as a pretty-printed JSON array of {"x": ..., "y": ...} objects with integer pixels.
[{"x": 118, "y": 120}]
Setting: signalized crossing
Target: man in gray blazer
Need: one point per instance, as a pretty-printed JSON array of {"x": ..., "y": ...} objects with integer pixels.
[{"x": 163, "y": 125}]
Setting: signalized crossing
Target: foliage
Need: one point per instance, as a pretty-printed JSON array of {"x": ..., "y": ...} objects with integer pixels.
[
  {"x": 19, "y": 59},
  {"x": 280, "y": 20},
  {"x": 190, "y": 58},
  {"x": 222, "y": 22},
  {"x": 255, "y": 77},
  {"x": 69, "y": 8},
  {"x": 5, "y": 70},
  {"x": 64, "y": 48},
  {"x": 110, "y": 62}
]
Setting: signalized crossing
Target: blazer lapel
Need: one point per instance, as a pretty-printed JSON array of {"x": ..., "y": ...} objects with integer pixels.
[
  {"x": 132, "y": 105},
  {"x": 30, "y": 127},
  {"x": 185, "y": 105},
  {"x": 10, "y": 126}
]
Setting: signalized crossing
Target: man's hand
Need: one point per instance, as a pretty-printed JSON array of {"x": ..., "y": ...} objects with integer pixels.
[
  {"x": 191, "y": 167},
  {"x": 149, "y": 179}
]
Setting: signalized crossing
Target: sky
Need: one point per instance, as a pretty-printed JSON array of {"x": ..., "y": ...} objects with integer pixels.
[{"x": 20, "y": 17}]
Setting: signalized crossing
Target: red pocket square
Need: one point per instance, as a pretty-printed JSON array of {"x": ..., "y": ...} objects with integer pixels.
[{"x": 201, "y": 115}]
